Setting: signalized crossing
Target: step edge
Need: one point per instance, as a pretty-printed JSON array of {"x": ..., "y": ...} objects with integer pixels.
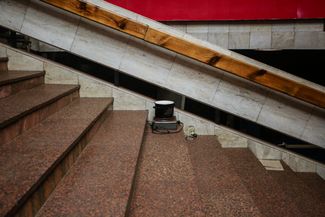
[
  {"x": 20, "y": 203},
  {"x": 127, "y": 204},
  {"x": 137, "y": 166},
  {"x": 263, "y": 174},
  {"x": 294, "y": 179},
  {"x": 23, "y": 78},
  {"x": 39, "y": 106}
]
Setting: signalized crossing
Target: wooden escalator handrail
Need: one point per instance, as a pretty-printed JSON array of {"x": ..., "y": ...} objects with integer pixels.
[{"x": 192, "y": 50}]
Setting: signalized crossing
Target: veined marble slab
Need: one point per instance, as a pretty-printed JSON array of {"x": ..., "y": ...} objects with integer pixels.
[
  {"x": 264, "y": 152},
  {"x": 59, "y": 75},
  {"x": 239, "y": 40},
  {"x": 147, "y": 62},
  {"x": 197, "y": 27},
  {"x": 219, "y": 38},
  {"x": 229, "y": 139},
  {"x": 13, "y": 13},
  {"x": 48, "y": 24},
  {"x": 285, "y": 114},
  {"x": 126, "y": 101},
  {"x": 18, "y": 61},
  {"x": 272, "y": 165},
  {"x": 283, "y": 27},
  {"x": 194, "y": 79},
  {"x": 218, "y": 27},
  {"x": 283, "y": 39},
  {"x": 302, "y": 42},
  {"x": 99, "y": 43},
  {"x": 240, "y": 97},
  {"x": 260, "y": 40},
  {"x": 93, "y": 88},
  {"x": 315, "y": 128}
]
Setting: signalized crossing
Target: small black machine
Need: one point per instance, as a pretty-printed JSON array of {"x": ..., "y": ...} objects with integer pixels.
[{"x": 164, "y": 120}]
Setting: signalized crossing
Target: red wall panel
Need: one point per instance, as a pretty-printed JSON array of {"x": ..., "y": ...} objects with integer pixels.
[{"x": 164, "y": 10}]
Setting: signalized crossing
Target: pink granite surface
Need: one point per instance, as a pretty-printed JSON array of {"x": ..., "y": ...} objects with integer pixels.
[
  {"x": 175, "y": 177},
  {"x": 22, "y": 103},
  {"x": 268, "y": 195},
  {"x": 99, "y": 183},
  {"x": 199, "y": 178},
  {"x": 309, "y": 197},
  {"x": 165, "y": 183},
  {"x": 24, "y": 161},
  {"x": 15, "y": 76},
  {"x": 220, "y": 187}
]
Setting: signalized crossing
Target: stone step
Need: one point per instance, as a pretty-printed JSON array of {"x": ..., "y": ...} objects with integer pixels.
[
  {"x": 100, "y": 181},
  {"x": 271, "y": 199},
  {"x": 221, "y": 188},
  {"x": 3, "y": 64},
  {"x": 309, "y": 197},
  {"x": 33, "y": 164},
  {"x": 165, "y": 183},
  {"x": 12, "y": 82},
  {"x": 315, "y": 182},
  {"x": 25, "y": 109}
]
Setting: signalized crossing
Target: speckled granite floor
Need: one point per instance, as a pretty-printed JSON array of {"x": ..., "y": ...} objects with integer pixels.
[
  {"x": 278, "y": 193},
  {"x": 199, "y": 178},
  {"x": 165, "y": 183},
  {"x": 269, "y": 197},
  {"x": 221, "y": 188},
  {"x": 173, "y": 177},
  {"x": 309, "y": 197},
  {"x": 25, "y": 160},
  {"x": 99, "y": 183}
]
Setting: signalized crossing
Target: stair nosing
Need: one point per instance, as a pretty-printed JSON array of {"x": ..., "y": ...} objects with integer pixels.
[
  {"x": 37, "y": 107},
  {"x": 264, "y": 176},
  {"x": 134, "y": 178},
  {"x": 24, "y": 198},
  {"x": 130, "y": 193},
  {"x": 27, "y": 77}
]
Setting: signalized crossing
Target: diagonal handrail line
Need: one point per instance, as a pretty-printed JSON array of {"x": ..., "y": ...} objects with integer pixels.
[{"x": 189, "y": 49}]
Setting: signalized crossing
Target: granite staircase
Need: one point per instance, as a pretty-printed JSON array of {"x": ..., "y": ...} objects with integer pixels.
[
  {"x": 200, "y": 178},
  {"x": 53, "y": 140},
  {"x": 62, "y": 155}
]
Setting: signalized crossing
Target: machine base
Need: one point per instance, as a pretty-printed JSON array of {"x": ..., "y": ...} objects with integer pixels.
[{"x": 165, "y": 124}]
